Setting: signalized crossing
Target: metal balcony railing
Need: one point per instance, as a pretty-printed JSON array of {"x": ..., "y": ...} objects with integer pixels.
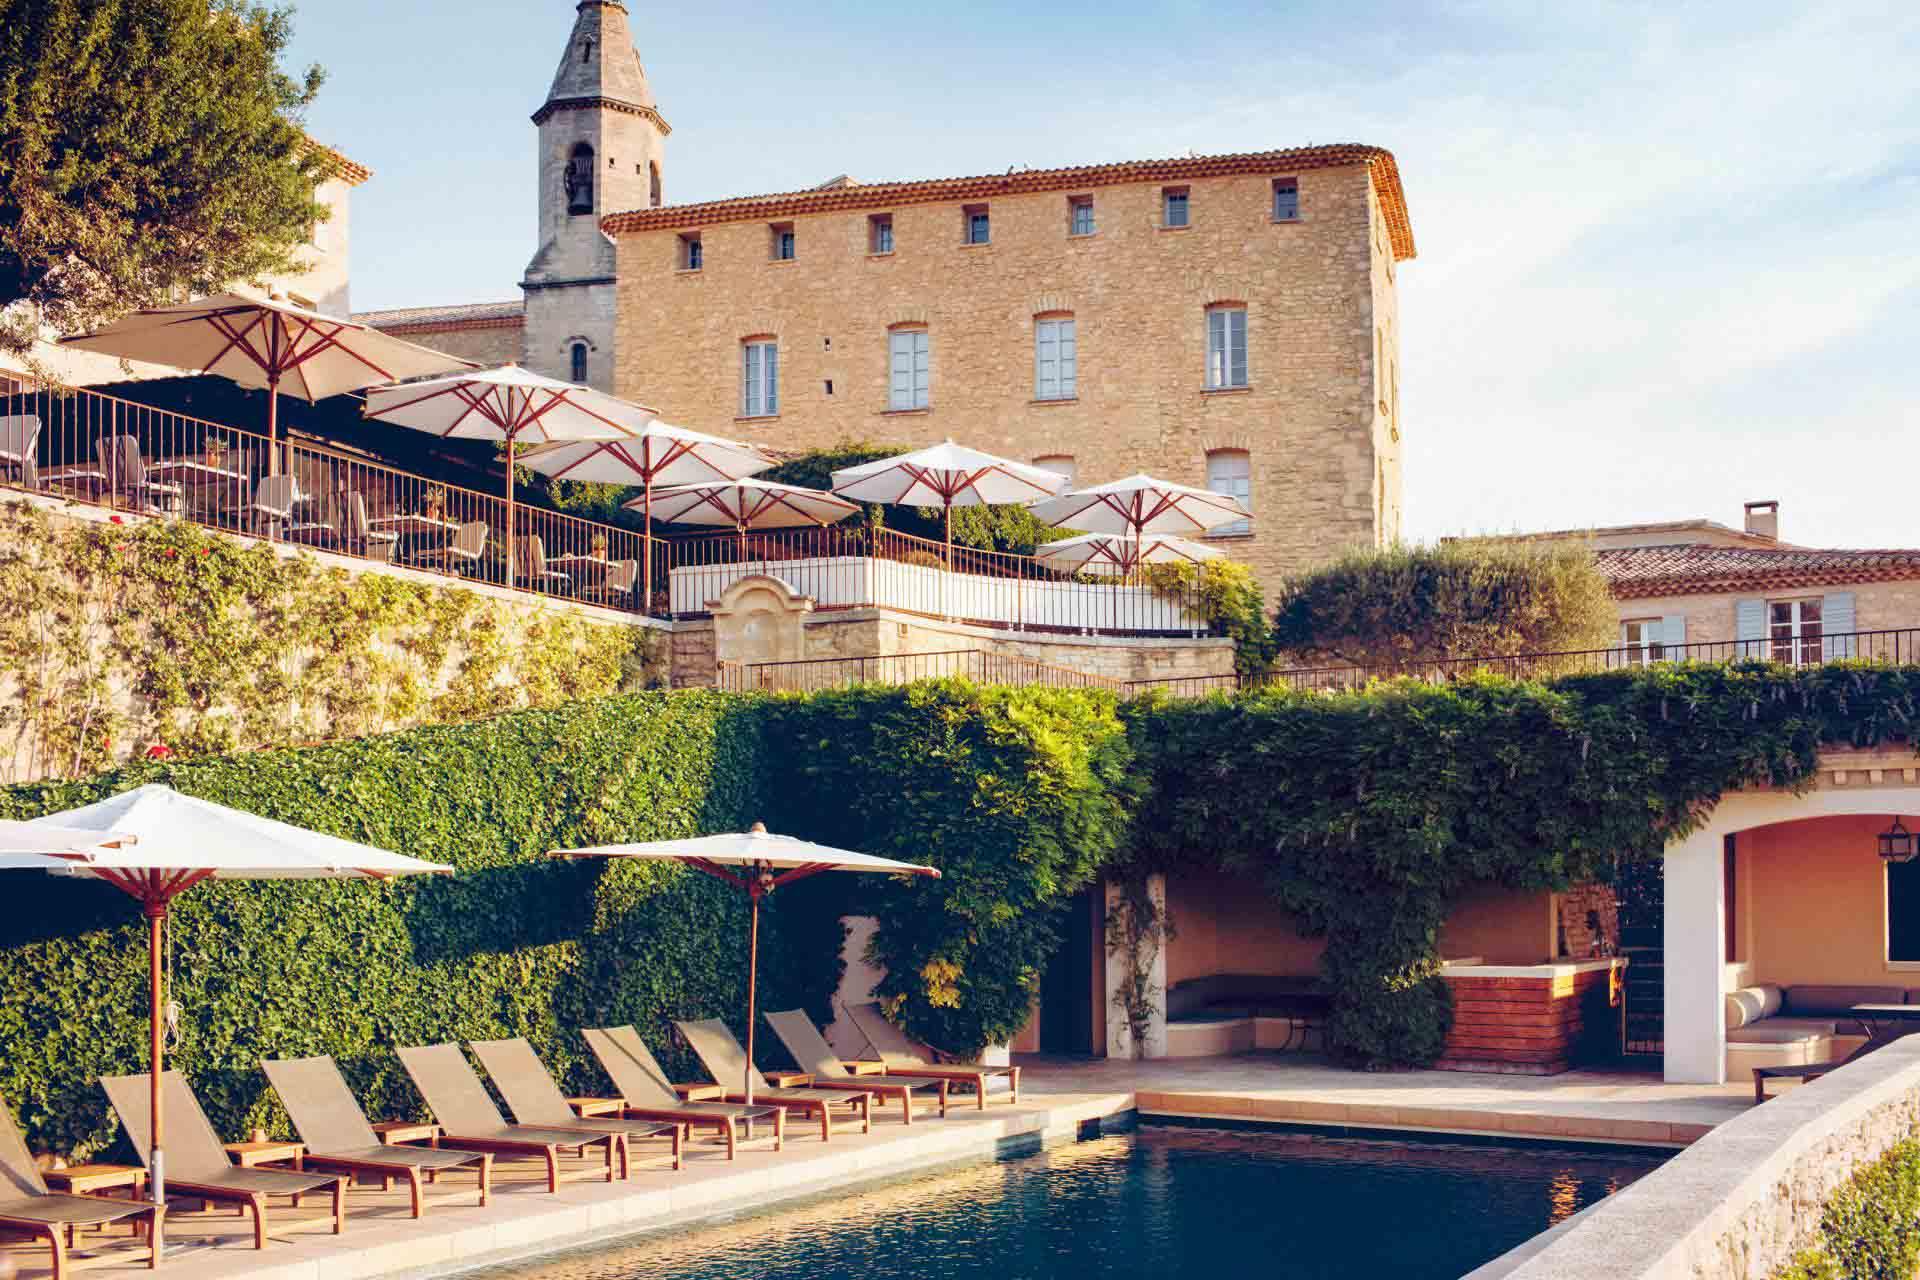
[{"x": 810, "y": 674}]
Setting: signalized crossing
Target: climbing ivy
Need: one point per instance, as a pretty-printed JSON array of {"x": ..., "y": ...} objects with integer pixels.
[{"x": 119, "y": 638}]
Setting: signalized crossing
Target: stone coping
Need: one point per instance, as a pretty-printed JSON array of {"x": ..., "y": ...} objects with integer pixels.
[
  {"x": 1551, "y": 969},
  {"x": 1745, "y": 1198}
]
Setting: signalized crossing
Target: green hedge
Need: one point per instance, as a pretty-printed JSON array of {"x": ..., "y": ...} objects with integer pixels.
[{"x": 1870, "y": 1230}]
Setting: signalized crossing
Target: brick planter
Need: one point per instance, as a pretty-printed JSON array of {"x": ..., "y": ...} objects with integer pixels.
[{"x": 1534, "y": 1020}]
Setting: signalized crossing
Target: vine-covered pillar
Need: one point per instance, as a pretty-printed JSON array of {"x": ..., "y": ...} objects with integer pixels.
[
  {"x": 1694, "y": 955},
  {"x": 1137, "y": 967}
]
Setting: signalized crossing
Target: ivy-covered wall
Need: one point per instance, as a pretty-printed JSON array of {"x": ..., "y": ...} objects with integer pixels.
[{"x": 116, "y": 639}]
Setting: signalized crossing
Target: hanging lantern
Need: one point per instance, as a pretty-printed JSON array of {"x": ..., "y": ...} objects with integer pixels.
[{"x": 1897, "y": 844}]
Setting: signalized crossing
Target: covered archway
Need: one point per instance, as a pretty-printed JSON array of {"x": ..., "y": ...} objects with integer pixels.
[{"x": 1813, "y": 907}]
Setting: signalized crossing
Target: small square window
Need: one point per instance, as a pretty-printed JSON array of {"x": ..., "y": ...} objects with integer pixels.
[
  {"x": 783, "y": 242},
  {"x": 1173, "y": 203},
  {"x": 690, "y": 252},
  {"x": 880, "y": 233},
  {"x": 979, "y": 228},
  {"x": 1080, "y": 216},
  {"x": 1286, "y": 199}
]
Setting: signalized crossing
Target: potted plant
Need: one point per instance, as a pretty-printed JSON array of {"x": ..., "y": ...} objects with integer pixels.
[
  {"x": 599, "y": 546},
  {"x": 216, "y": 451},
  {"x": 434, "y": 505}
]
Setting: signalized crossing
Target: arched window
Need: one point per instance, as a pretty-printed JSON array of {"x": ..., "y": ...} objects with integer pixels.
[
  {"x": 1231, "y": 471},
  {"x": 653, "y": 187},
  {"x": 909, "y": 367},
  {"x": 1226, "y": 346},
  {"x": 1062, "y": 464},
  {"x": 579, "y": 180},
  {"x": 759, "y": 377},
  {"x": 1056, "y": 357},
  {"x": 580, "y": 362}
]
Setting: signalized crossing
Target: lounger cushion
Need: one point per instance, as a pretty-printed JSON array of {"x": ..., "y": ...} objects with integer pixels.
[
  {"x": 1750, "y": 1004},
  {"x": 1779, "y": 1031}
]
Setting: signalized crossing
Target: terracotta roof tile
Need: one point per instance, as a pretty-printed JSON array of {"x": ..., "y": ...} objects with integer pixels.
[
  {"x": 1695, "y": 569},
  {"x": 335, "y": 163},
  {"x": 492, "y": 315},
  {"x": 875, "y": 195}
]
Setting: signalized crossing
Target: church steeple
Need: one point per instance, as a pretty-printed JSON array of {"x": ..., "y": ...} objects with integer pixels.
[{"x": 602, "y": 146}]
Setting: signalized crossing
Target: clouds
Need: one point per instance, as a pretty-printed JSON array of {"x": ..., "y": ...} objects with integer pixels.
[{"x": 1667, "y": 255}]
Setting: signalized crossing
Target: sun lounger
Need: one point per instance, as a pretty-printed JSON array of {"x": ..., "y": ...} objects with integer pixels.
[
  {"x": 198, "y": 1167},
  {"x": 338, "y": 1136},
  {"x": 813, "y": 1055},
  {"x": 646, "y": 1093},
  {"x": 720, "y": 1053},
  {"x": 888, "y": 1044},
  {"x": 469, "y": 1119},
  {"x": 524, "y": 1081},
  {"x": 26, "y": 1205}
]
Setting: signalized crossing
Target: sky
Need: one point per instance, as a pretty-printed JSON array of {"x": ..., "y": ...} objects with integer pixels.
[{"x": 1666, "y": 250}]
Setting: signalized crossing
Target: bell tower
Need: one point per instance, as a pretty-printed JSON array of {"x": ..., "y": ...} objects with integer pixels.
[{"x": 602, "y": 146}]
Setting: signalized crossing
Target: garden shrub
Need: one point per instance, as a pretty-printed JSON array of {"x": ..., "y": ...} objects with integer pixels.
[{"x": 1870, "y": 1229}]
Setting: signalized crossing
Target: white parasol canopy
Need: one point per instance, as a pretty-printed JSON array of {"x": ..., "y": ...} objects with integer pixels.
[
  {"x": 33, "y": 838},
  {"x": 169, "y": 843},
  {"x": 660, "y": 454},
  {"x": 508, "y": 405},
  {"x": 748, "y": 504},
  {"x": 1120, "y": 552},
  {"x": 267, "y": 343},
  {"x": 947, "y": 476},
  {"x": 762, "y": 862},
  {"x": 1141, "y": 505}
]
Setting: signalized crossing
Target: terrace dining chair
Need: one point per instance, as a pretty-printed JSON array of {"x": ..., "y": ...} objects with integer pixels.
[
  {"x": 533, "y": 568},
  {"x": 126, "y": 474},
  {"x": 616, "y": 585},
  {"x": 646, "y": 1094},
  {"x": 360, "y": 537},
  {"x": 19, "y": 439},
  {"x": 198, "y": 1167},
  {"x": 27, "y": 1206},
  {"x": 272, "y": 505},
  {"x": 463, "y": 549}
]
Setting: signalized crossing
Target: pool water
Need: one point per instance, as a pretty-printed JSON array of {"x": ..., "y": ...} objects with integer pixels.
[{"x": 1160, "y": 1202}]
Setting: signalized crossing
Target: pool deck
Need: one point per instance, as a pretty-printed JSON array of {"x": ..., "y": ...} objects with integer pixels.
[{"x": 1059, "y": 1097}]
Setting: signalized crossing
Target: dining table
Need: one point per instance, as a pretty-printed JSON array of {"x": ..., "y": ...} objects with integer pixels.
[
  {"x": 415, "y": 532},
  {"x": 209, "y": 487},
  {"x": 1885, "y": 1022}
]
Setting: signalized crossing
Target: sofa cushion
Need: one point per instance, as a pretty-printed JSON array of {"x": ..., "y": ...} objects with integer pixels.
[
  {"x": 1241, "y": 994},
  {"x": 1780, "y": 1031},
  {"x": 1749, "y": 1005},
  {"x": 1822, "y": 1001}
]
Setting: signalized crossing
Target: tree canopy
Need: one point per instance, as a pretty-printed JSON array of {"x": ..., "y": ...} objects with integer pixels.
[
  {"x": 147, "y": 148},
  {"x": 1459, "y": 599}
]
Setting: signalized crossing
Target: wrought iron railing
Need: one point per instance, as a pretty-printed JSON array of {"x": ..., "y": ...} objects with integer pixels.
[
  {"x": 979, "y": 665},
  {"x": 86, "y": 446},
  {"x": 1893, "y": 647}
]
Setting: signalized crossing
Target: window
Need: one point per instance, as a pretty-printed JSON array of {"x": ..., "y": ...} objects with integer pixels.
[
  {"x": 578, "y": 180},
  {"x": 1231, "y": 471},
  {"x": 1055, "y": 359},
  {"x": 691, "y": 256},
  {"x": 1080, "y": 216},
  {"x": 1644, "y": 639},
  {"x": 759, "y": 378},
  {"x": 1794, "y": 630},
  {"x": 1173, "y": 207},
  {"x": 1286, "y": 199},
  {"x": 1060, "y": 464},
  {"x": 880, "y": 233},
  {"x": 979, "y": 228},
  {"x": 783, "y": 242},
  {"x": 1903, "y": 912},
  {"x": 653, "y": 185},
  {"x": 1226, "y": 347},
  {"x": 579, "y": 362},
  {"x": 909, "y": 369}
]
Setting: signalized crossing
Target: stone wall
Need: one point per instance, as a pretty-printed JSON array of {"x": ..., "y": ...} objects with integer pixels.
[
  {"x": 1579, "y": 908},
  {"x": 1325, "y": 466},
  {"x": 485, "y": 342},
  {"x": 1742, "y": 1201}
]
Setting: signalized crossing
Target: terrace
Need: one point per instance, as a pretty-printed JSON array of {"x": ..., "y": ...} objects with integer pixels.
[{"x": 120, "y": 455}]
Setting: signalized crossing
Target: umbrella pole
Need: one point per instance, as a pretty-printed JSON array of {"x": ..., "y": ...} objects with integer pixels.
[
  {"x": 509, "y": 510},
  {"x": 273, "y": 422},
  {"x": 753, "y": 981},
  {"x": 646, "y": 544},
  {"x": 156, "y": 909}
]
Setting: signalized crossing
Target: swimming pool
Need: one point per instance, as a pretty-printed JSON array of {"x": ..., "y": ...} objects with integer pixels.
[{"x": 1159, "y": 1202}]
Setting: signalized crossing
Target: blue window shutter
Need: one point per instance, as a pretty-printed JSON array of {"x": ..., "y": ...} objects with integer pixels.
[
  {"x": 749, "y": 380},
  {"x": 1750, "y": 627},
  {"x": 1046, "y": 360},
  {"x": 1673, "y": 632},
  {"x": 1836, "y": 624},
  {"x": 1237, "y": 329},
  {"x": 772, "y": 360},
  {"x": 1069, "y": 360},
  {"x": 922, "y": 369}
]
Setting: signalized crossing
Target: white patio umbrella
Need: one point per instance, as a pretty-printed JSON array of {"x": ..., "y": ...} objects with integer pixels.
[
  {"x": 760, "y": 863},
  {"x": 507, "y": 405},
  {"x": 267, "y": 343},
  {"x": 1140, "y": 505},
  {"x": 947, "y": 476},
  {"x": 34, "y": 838},
  {"x": 1121, "y": 552},
  {"x": 170, "y": 842},
  {"x": 660, "y": 454},
  {"x": 748, "y": 504}
]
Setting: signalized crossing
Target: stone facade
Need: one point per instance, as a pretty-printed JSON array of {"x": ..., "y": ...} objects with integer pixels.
[
  {"x": 1711, "y": 617},
  {"x": 1318, "y": 418}
]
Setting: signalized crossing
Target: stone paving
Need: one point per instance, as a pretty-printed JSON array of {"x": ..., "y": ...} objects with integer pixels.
[{"x": 1058, "y": 1096}]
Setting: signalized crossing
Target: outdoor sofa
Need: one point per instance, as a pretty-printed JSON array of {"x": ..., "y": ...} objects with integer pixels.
[{"x": 1788, "y": 1032}]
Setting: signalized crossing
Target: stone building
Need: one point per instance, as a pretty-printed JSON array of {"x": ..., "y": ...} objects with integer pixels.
[{"x": 1228, "y": 321}]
